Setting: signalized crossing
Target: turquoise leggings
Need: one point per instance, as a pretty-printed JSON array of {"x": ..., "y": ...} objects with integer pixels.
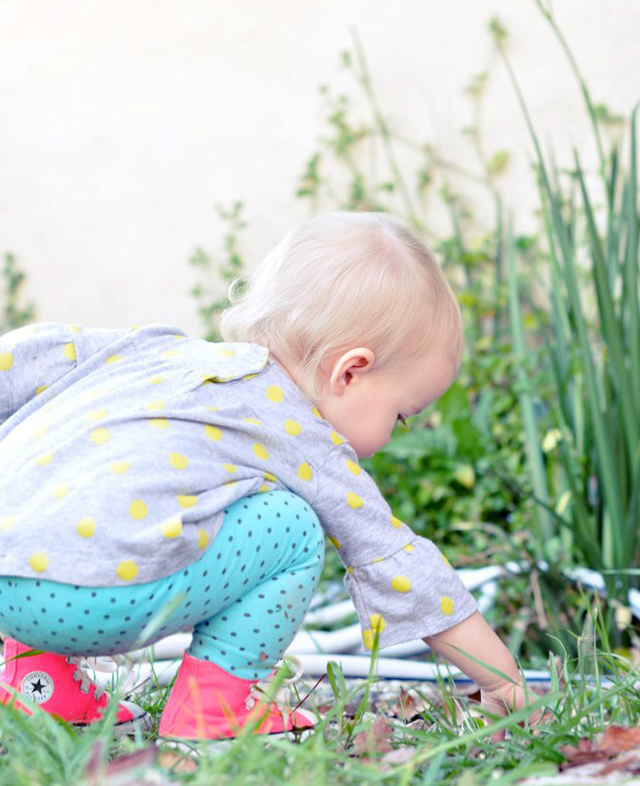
[{"x": 245, "y": 597}]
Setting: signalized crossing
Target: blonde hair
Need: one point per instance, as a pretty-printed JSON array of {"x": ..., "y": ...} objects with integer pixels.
[{"x": 341, "y": 281}]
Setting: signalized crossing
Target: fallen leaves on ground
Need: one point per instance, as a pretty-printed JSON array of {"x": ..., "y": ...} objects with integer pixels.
[{"x": 618, "y": 747}]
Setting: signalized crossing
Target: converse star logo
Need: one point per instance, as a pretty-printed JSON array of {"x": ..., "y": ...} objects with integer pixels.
[{"x": 37, "y": 686}]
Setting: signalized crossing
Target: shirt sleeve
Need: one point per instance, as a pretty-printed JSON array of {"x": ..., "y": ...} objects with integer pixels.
[
  {"x": 403, "y": 587},
  {"x": 34, "y": 358}
]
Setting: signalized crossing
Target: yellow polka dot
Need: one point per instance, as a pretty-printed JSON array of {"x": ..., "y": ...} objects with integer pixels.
[
  {"x": 260, "y": 451},
  {"x": 354, "y": 501},
  {"x": 171, "y": 353},
  {"x": 230, "y": 468},
  {"x": 377, "y": 559},
  {"x": 231, "y": 483},
  {"x": 70, "y": 351},
  {"x": 203, "y": 539},
  {"x": 264, "y": 488},
  {"x": 275, "y": 394},
  {"x": 86, "y": 527},
  {"x": 40, "y": 431},
  {"x": 41, "y": 389},
  {"x": 127, "y": 570},
  {"x": 354, "y": 469},
  {"x": 153, "y": 406},
  {"x": 367, "y": 638},
  {"x": 377, "y": 622},
  {"x": 74, "y": 328},
  {"x": 100, "y": 435},
  {"x": 409, "y": 547},
  {"x": 213, "y": 433},
  {"x": 316, "y": 412},
  {"x": 113, "y": 359},
  {"x": 98, "y": 414},
  {"x": 213, "y": 409},
  {"x": 249, "y": 376},
  {"x": 335, "y": 541},
  {"x": 159, "y": 422},
  {"x": 6, "y": 361},
  {"x": 446, "y": 604},
  {"x": 138, "y": 510},
  {"x": 304, "y": 471},
  {"x": 227, "y": 353},
  {"x": 8, "y": 522},
  {"x": 157, "y": 380},
  {"x": 44, "y": 459},
  {"x": 255, "y": 421},
  {"x": 292, "y": 428},
  {"x": 119, "y": 467},
  {"x": 172, "y": 529},
  {"x": 178, "y": 461},
  {"x": 336, "y": 438},
  {"x": 396, "y": 522},
  {"x": 61, "y": 490},
  {"x": 38, "y": 562},
  {"x": 270, "y": 476},
  {"x": 350, "y": 569},
  {"x": 445, "y": 560},
  {"x": 187, "y": 501},
  {"x": 401, "y": 583}
]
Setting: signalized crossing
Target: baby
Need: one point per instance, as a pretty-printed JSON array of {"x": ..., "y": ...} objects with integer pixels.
[{"x": 150, "y": 481}]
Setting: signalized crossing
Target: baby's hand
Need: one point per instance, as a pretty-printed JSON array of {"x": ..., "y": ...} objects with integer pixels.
[{"x": 505, "y": 698}]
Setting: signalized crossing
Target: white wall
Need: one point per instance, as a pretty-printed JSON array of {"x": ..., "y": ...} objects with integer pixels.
[{"x": 124, "y": 122}]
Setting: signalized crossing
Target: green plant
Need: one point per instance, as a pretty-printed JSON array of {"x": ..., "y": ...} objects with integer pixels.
[
  {"x": 207, "y": 291},
  {"x": 13, "y": 314},
  {"x": 591, "y": 334}
]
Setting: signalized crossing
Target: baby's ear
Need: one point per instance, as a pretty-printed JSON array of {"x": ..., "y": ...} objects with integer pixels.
[{"x": 348, "y": 367}]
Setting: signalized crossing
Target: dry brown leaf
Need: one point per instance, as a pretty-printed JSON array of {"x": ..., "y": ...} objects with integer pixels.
[
  {"x": 375, "y": 739},
  {"x": 619, "y": 738},
  {"x": 178, "y": 762},
  {"x": 613, "y": 741},
  {"x": 584, "y": 753},
  {"x": 627, "y": 763},
  {"x": 397, "y": 756}
]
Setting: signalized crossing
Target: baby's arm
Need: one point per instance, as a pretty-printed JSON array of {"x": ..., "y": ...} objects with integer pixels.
[{"x": 501, "y": 693}]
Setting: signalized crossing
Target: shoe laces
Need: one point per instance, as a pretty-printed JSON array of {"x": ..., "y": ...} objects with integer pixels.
[
  {"x": 280, "y": 693},
  {"x": 106, "y": 665}
]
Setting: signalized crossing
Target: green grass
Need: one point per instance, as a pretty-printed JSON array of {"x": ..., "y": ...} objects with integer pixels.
[{"x": 450, "y": 744}]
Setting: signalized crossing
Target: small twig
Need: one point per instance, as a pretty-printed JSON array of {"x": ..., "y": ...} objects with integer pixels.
[{"x": 543, "y": 621}]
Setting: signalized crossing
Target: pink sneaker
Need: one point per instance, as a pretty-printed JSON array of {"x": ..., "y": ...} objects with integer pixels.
[
  {"x": 60, "y": 686},
  {"x": 207, "y": 703}
]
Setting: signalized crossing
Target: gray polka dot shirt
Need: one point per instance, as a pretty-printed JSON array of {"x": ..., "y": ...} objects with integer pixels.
[{"x": 119, "y": 451}]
